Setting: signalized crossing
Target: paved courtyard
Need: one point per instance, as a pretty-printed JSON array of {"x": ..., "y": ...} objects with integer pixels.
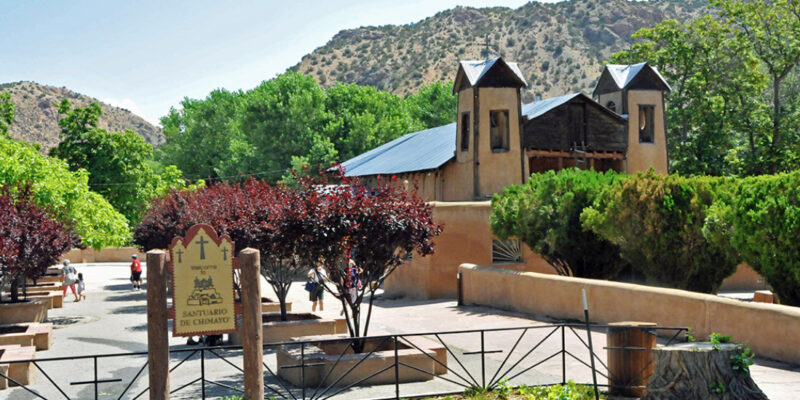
[{"x": 113, "y": 320}]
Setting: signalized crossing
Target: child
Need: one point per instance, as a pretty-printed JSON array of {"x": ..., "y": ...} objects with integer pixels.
[{"x": 81, "y": 286}]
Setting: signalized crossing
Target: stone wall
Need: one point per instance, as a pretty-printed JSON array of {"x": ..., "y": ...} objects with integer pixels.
[{"x": 771, "y": 330}]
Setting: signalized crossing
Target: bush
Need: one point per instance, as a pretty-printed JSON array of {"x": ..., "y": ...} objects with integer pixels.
[
  {"x": 657, "y": 221},
  {"x": 545, "y": 214},
  {"x": 760, "y": 219}
]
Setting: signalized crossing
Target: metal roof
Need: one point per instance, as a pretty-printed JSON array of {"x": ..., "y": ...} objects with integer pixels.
[
  {"x": 418, "y": 151},
  {"x": 534, "y": 110},
  {"x": 623, "y": 74},
  {"x": 476, "y": 69},
  {"x": 431, "y": 148}
]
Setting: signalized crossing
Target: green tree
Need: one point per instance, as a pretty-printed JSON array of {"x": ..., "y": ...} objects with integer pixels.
[
  {"x": 280, "y": 118},
  {"x": 434, "y": 105},
  {"x": 64, "y": 193},
  {"x": 6, "y": 112},
  {"x": 203, "y": 135},
  {"x": 657, "y": 221},
  {"x": 361, "y": 118},
  {"x": 717, "y": 117},
  {"x": 760, "y": 221},
  {"x": 545, "y": 214},
  {"x": 772, "y": 29},
  {"x": 116, "y": 162}
]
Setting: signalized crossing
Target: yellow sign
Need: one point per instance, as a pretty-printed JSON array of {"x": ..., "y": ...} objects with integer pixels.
[{"x": 202, "y": 279}]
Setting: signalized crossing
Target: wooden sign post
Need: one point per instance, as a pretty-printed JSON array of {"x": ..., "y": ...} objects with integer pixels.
[{"x": 202, "y": 265}]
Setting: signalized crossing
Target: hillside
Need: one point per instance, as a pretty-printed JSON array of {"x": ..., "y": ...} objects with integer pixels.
[
  {"x": 560, "y": 47},
  {"x": 36, "y": 119}
]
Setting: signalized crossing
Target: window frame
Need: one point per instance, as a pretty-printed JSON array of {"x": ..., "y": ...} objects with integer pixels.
[
  {"x": 465, "y": 123},
  {"x": 504, "y": 136},
  {"x": 647, "y": 111}
]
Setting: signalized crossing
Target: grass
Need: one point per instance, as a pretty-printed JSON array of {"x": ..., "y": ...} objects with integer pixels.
[{"x": 503, "y": 391}]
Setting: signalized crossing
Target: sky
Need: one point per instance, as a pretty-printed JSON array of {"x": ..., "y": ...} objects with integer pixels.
[{"x": 148, "y": 55}]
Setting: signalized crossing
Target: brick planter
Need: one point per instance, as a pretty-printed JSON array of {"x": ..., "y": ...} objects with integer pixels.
[
  {"x": 301, "y": 324},
  {"x": 327, "y": 353},
  {"x": 32, "y": 310},
  {"x": 50, "y": 277},
  {"x": 43, "y": 287},
  {"x": 34, "y": 334},
  {"x": 269, "y": 306},
  {"x": 3, "y": 381},
  {"x": 55, "y": 299},
  {"x": 24, "y": 372}
]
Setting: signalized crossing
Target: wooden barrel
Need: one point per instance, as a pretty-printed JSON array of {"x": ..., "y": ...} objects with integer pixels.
[{"x": 629, "y": 349}]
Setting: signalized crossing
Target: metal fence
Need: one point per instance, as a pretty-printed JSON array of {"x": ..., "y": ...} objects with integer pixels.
[{"x": 388, "y": 366}]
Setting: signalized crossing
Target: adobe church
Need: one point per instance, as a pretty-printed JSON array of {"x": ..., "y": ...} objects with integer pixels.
[{"x": 497, "y": 141}]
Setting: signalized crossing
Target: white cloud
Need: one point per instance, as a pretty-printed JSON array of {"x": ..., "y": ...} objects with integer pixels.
[{"x": 131, "y": 106}]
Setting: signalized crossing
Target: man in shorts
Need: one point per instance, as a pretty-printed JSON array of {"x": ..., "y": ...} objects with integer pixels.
[{"x": 136, "y": 273}]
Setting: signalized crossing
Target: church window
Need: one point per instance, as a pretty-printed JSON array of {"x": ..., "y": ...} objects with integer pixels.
[
  {"x": 646, "y": 123},
  {"x": 498, "y": 130},
  {"x": 611, "y": 106},
  {"x": 464, "y": 131}
]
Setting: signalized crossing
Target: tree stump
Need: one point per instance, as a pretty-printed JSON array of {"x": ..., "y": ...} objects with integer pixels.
[{"x": 699, "y": 371}]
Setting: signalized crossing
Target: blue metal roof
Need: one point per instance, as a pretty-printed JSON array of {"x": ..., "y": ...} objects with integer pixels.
[
  {"x": 418, "y": 151},
  {"x": 534, "y": 110},
  {"x": 431, "y": 148}
]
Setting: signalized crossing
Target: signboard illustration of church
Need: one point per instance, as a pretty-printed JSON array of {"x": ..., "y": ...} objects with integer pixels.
[{"x": 204, "y": 293}]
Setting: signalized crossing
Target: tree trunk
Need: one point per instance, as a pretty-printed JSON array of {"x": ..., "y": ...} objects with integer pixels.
[
  {"x": 776, "y": 123},
  {"x": 14, "y": 290},
  {"x": 698, "y": 371}
]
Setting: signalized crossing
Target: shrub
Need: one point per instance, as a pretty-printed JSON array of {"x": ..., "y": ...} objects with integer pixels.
[
  {"x": 760, "y": 220},
  {"x": 657, "y": 221},
  {"x": 545, "y": 214}
]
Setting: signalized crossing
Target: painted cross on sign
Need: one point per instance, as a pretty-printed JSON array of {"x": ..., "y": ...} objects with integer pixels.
[{"x": 202, "y": 283}]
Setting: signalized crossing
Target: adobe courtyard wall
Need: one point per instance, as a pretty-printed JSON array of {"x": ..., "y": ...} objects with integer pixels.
[
  {"x": 771, "y": 330},
  {"x": 109, "y": 254},
  {"x": 467, "y": 238}
]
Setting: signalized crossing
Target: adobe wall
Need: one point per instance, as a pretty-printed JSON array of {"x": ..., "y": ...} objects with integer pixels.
[
  {"x": 771, "y": 330},
  {"x": 109, "y": 254},
  {"x": 466, "y": 237},
  {"x": 745, "y": 279},
  {"x": 642, "y": 156}
]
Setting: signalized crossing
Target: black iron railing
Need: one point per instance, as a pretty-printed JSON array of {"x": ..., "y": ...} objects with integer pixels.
[{"x": 544, "y": 354}]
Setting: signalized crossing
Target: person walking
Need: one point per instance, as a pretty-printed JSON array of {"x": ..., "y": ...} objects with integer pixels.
[
  {"x": 69, "y": 277},
  {"x": 317, "y": 275},
  {"x": 136, "y": 273},
  {"x": 81, "y": 287}
]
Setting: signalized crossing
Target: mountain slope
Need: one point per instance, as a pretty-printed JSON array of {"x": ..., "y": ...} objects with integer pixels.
[
  {"x": 560, "y": 47},
  {"x": 36, "y": 117}
]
